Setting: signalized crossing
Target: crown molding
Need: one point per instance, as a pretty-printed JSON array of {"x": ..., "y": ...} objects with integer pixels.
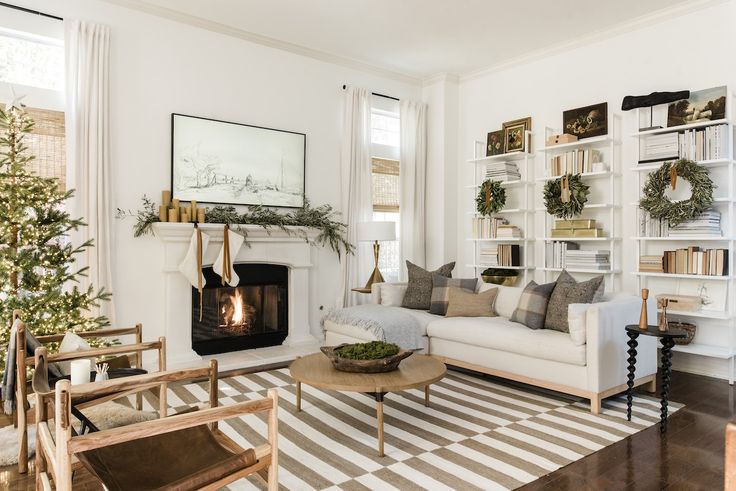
[
  {"x": 217, "y": 27},
  {"x": 441, "y": 77},
  {"x": 635, "y": 24}
]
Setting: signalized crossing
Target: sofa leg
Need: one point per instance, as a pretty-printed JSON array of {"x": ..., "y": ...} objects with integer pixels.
[
  {"x": 595, "y": 404},
  {"x": 651, "y": 387}
]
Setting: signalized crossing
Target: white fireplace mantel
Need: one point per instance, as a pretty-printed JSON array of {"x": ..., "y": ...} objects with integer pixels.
[{"x": 272, "y": 246}]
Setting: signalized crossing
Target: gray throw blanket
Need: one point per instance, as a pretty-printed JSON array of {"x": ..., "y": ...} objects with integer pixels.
[{"x": 390, "y": 324}]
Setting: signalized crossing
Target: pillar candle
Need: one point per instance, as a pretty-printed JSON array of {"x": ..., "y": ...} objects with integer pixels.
[
  {"x": 184, "y": 216},
  {"x": 163, "y": 213},
  {"x": 174, "y": 214},
  {"x": 166, "y": 198},
  {"x": 175, "y": 204},
  {"x": 200, "y": 215},
  {"x": 193, "y": 211},
  {"x": 80, "y": 371}
]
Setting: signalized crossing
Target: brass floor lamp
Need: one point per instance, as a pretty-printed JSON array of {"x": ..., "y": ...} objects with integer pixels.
[{"x": 375, "y": 232}]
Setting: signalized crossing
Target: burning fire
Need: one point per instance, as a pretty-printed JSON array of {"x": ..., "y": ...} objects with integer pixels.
[
  {"x": 238, "y": 317},
  {"x": 235, "y": 314}
]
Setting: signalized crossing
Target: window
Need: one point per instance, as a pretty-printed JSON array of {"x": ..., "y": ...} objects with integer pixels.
[
  {"x": 385, "y": 134},
  {"x": 47, "y": 143},
  {"x": 30, "y": 60}
]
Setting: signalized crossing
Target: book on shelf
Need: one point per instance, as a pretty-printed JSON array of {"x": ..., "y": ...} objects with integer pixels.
[
  {"x": 696, "y": 261},
  {"x": 494, "y": 228},
  {"x": 598, "y": 259},
  {"x": 574, "y": 162},
  {"x": 709, "y": 143},
  {"x": 651, "y": 264},
  {"x": 707, "y": 224},
  {"x": 501, "y": 255},
  {"x": 575, "y": 228},
  {"x": 503, "y": 171},
  {"x": 588, "y": 232}
]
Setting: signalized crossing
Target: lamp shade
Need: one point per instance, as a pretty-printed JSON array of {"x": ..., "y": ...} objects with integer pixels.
[{"x": 370, "y": 231}]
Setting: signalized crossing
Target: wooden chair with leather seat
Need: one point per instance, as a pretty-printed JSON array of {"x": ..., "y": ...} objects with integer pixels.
[
  {"x": 182, "y": 452},
  {"x": 23, "y": 417}
]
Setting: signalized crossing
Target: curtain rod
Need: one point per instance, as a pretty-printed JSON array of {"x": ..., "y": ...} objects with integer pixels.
[
  {"x": 378, "y": 95},
  {"x": 29, "y": 11}
]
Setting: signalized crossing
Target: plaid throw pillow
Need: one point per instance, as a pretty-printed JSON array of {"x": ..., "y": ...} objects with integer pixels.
[
  {"x": 441, "y": 291},
  {"x": 567, "y": 291},
  {"x": 419, "y": 290},
  {"x": 532, "y": 306}
]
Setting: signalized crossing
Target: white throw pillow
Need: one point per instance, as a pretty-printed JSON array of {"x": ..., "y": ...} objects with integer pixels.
[
  {"x": 576, "y": 320},
  {"x": 393, "y": 295},
  {"x": 70, "y": 344}
]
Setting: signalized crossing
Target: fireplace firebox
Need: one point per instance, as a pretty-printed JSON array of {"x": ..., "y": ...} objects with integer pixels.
[{"x": 253, "y": 314}]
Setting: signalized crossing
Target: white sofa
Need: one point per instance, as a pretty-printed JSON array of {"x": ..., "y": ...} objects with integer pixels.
[{"x": 544, "y": 358}]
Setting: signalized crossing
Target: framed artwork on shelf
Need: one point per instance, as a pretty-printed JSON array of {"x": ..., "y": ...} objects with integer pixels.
[
  {"x": 586, "y": 122},
  {"x": 513, "y": 135},
  {"x": 494, "y": 143},
  {"x": 702, "y": 105},
  {"x": 221, "y": 162}
]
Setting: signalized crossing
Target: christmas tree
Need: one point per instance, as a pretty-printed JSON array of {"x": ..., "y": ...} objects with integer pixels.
[{"x": 37, "y": 272}]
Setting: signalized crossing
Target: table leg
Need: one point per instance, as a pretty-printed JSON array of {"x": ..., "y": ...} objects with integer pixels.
[
  {"x": 298, "y": 396},
  {"x": 633, "y": 343},
  {"x": 667, "y": 344},
  {"x": 379, "y": 421},
  {"x": 426, "y": 395}
]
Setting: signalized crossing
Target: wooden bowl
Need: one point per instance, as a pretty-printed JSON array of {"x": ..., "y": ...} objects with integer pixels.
[
  {"x": 500, "y": 280},
  {"x": 380, "y": 365}
]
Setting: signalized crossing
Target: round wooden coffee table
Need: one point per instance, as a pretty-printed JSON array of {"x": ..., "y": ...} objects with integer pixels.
[{"x": 414, "y": 372}]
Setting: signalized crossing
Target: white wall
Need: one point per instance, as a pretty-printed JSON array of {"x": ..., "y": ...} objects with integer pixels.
[
  {"x": 679, "y": 53},
  {"x": 159, "y": 67}
]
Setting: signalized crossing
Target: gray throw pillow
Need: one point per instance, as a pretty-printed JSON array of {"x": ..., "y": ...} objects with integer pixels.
[
  {"x": 441, "y": 291},
  {"x": 568, "y": 290},
  {"x": 419, "y": 290},
  {"x": 532, "y": 306}
]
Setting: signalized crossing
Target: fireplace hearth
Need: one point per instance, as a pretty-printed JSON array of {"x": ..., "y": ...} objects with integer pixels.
[{"x": 253, "y": 314}]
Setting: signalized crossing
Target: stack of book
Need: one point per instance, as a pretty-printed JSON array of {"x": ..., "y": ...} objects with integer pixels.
[
  {"x": 693, "y": 260},
  {"x": 707, "y": 223},
  {"x": 584, "y": 259},
  {"x": 573, "y": 162},
  {"x": 556, "y": 252},
  {"x": 501, "y": 255},
  {"x": 652, "y": 227},
  {"x": 650, "y": 264},
  {"x": 709, "y": 143},
  {"x": 494, "y": 228},
  {"x": 575, "y": 228},
  {"x": 502, "y": 171}
]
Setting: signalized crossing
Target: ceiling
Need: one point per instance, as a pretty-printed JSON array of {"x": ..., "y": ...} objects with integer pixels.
[{"x": 415, "y": 38}]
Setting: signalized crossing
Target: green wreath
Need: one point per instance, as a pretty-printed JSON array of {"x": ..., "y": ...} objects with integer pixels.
[
  {"x": 579, "y": 192},
  {"x": 491, "y": 197},
  {"x": 660, "y": 206}
]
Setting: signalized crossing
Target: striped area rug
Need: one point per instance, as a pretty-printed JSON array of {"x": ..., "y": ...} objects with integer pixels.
[{"x": 477, "y": 434}]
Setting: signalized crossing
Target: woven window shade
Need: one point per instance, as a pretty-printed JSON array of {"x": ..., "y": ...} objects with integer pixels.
[
  {"x": 47, "y": 142},
  {"x": 385, "y": 185}
]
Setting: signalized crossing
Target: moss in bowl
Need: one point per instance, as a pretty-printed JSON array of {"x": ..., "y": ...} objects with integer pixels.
[
  {"x": 497, "y": 276},
  {"x": 372, "y": 357}
]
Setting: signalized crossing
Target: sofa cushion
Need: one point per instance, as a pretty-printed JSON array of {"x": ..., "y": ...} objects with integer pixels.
[
  {"x": 502, "y": 334},
  {"x": 532, "y": 306},
  {"x": 576, "y": 319},
  {"x": 392, "y": 295},
  {"x": 462, "y": 303},
  {"x": 567, "y": 291},
  {"x": 419, "y": 291},
  {"x": 506, "y": 300},
  {"x": 441, "y": 289}
]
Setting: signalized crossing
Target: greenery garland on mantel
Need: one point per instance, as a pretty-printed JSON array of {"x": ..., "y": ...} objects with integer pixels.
[
  {"x": 662, "y": 207},
  {"x": 322, "y": 218}
]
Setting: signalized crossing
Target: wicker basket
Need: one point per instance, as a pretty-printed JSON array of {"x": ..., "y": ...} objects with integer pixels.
[{"x": 685, "y": 326}]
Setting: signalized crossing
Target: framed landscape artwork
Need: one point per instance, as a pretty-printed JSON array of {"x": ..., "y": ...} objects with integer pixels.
[
  {"x": 702, "y": 105},
  {"x": 236, "y": 164},
  {"x": 586, "y": 122},
  {"x": 513, "y": 135}
]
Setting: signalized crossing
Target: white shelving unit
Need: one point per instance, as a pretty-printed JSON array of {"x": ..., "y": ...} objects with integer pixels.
[
  {"x": 610, "y": 144},
  {"x": 725, "y": 319},
  {"x": 520, "y": 216}
]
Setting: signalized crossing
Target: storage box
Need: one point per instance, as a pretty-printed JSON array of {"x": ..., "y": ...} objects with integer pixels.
[
  {"x": 683, "y": 303},
  {"x": 558, "y": 139}
]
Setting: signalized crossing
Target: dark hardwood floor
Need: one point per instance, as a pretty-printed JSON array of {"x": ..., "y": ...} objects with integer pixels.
[{"x": 688, "y": 456}]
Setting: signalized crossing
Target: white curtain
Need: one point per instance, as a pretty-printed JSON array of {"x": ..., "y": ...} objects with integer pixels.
[
  {"x": 412, "y": 197},
  {"x": 88, "y": 147},
  {"x": 357, "y": 203}
]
